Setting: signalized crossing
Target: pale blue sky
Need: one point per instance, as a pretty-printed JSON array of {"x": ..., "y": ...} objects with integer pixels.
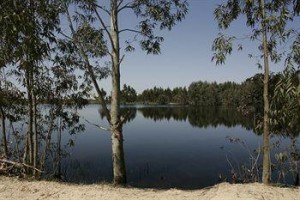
[{"x": 186, "y": 53}]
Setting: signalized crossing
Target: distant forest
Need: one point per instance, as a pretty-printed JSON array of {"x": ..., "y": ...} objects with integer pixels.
[{"x": 246, "y": 96}]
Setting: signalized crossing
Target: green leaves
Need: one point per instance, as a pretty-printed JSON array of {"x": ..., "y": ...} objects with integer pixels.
[
  {"x": 157, "y": 14},
  {"x": 152, "y": 44},
  {"x": 285, "y": 104},
  {"x": 91, "y": 40},
  {"x": 222, "y": 46},
  {"x": 278, "y": 15},
  {"x": 27, "y": 29},
  {"x": 226, "y": 13},
  {"x": 128, "y": 94},
  {"x": 164, "y": 13}
]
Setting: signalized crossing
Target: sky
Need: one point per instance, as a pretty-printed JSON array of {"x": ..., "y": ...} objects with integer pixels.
[{"x": 186, "y": 53}]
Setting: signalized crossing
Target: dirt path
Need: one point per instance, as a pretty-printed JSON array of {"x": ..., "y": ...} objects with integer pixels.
[{"x": 12, "y": 188}]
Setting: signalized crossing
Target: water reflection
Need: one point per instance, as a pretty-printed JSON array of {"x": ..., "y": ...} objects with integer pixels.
[
  {"x": 128, "y": 112},
  {"x": 201, "y": 117},
  {"x": 165, "y": 147},
  {"x": 165, "y": 113}
]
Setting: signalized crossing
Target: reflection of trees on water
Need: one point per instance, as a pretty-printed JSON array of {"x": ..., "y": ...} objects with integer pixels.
[
  {"x": 129, "y": 113},
  {"x": 201, "y": 117},
  {"x": 162, "y": 113}
]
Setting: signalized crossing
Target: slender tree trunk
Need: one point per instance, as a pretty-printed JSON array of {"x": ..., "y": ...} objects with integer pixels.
[
  {"x": 48, "y": 140},
  {"x": 113, "y": 116},
  {"x": 266, "y": 175},
  {"x": 30, "y": 115},
  {"x": 26, "y": 149},
  {"x": 58, "y": 166},
  {"x": 119, "y": 169},
  {"x": 17, "y": 140},
  {"x": 4, "y": 142},
  {"x": 3, "y": 125},
  {"x": 35, "y": 134},
  {"x": 294, "y": 162}
]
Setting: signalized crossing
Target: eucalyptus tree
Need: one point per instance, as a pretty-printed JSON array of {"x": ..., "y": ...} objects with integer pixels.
[
  {"x": 268, "y": 21},
  {"x": 9, "y": 98},
  {"x": 100, "y": 34},
  {"x": 285, "y": 114},
  {"x": 285, "y": 104},
  {"x": 27, "y": 28},
  {"x": 11, "y": 111}
]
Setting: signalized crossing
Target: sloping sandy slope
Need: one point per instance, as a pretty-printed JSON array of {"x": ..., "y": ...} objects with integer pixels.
[{"x": 11, "y": 188}]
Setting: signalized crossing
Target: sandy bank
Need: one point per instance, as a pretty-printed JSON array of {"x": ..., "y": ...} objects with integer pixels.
[{"x": 12, "y": 188}]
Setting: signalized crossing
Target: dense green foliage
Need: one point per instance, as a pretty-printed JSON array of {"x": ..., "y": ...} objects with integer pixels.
[
  {"x": 164, "y": 96},
  {"x": 128, "y": 94},
  {"x": 247, "y": 96},
  {"x": 285, "y": 104},
  {"x": 213, "y": 94}
]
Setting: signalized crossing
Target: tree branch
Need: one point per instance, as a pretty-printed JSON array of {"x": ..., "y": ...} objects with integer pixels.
[
  {"x": 122, "y": 58},
  {"x": 105, "y": 28},
  {"x": 66, "y": 36},
  {"x": 100, "y": 127},
  {"x": 89, "y": 69},
  {"x": 130, "y": 30},
  {"x": 19, "y": 164},
  {"x": 126, "y": 6},
  {"x": 103, "y": 8},
  {"x": 120, "y": 3}
]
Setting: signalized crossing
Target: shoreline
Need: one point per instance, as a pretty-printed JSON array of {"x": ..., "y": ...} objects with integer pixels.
[{"x": 13, "y": 188}]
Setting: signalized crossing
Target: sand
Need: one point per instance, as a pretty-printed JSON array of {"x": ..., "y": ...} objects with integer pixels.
[{"x": 12, "y": 188}]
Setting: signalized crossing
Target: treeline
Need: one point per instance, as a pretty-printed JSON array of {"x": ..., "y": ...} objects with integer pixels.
[
  {"x": 246, "y": 96},
  {"x": 164, "y": 96},
  {"x": 203, "y": 93}
]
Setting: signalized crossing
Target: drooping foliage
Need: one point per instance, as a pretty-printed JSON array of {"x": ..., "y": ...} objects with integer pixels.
[{"x": 268, "y": 23}]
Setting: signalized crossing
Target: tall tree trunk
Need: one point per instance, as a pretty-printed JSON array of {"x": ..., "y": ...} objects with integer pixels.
[
  {"x": 113, "y": 116},
  {"x": 119, "y": 169},
  {"x": 47, "y": 140},
  {"x": 35, "y": 134},
  {"x": 15, "y": 134},
  {"x": 3, "y": 125},
  {"x": 294, "y": 161},
  {"x": 57, "y": 173},
  {"x": 266, "y": 175},
  {"x": 30, "y": 114},
  {"x": 4, "y": 142}
]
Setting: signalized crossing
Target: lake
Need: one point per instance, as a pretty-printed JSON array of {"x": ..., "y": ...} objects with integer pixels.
[{"x": 165, "y": 146}]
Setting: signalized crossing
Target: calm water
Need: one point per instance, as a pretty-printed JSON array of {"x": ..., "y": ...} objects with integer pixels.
[{"x": 164, "y": 147}]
